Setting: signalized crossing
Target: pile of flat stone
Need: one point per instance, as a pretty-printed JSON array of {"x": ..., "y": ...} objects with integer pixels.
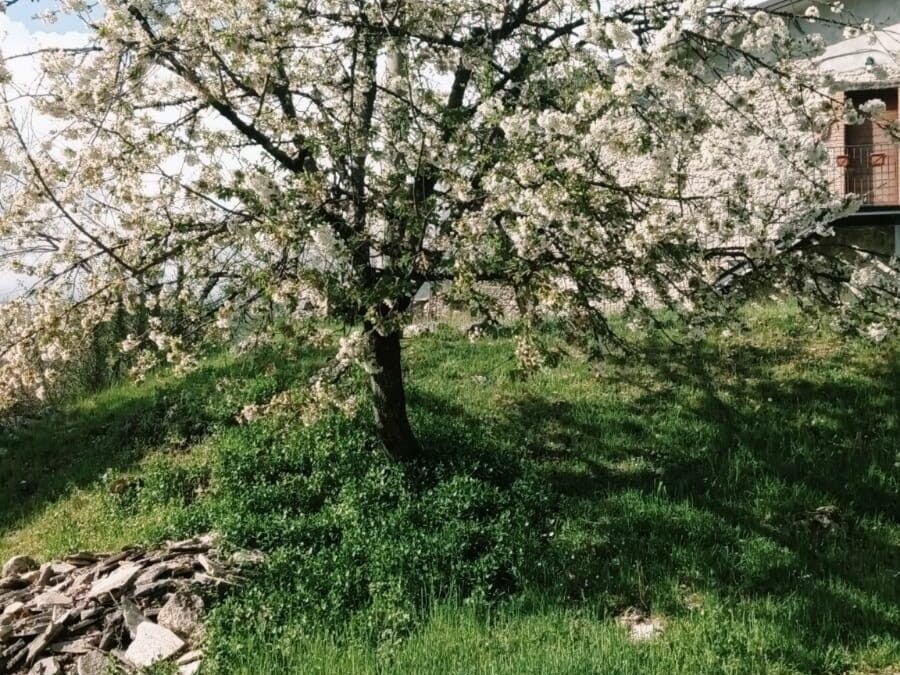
[{"x": 93, "y": 614}]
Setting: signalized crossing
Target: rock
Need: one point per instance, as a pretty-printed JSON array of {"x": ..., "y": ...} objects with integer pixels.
[
  {"x": 92, "y": 663},
  {"x": 18, "y": 564},
  {"x": 111, "y": 631},
  {"x": 823, "y": 520},
  {"x": 70, "y": 583},
  {"x": 211, "y": 567},
  {"x": 199, "y": 544},
  {"x": 77, "y": 617},
  {"x": 247, "y": 558},
  {"x": 189, "y": 657},
  {"x": 189, "y": 663},
  {"x": 14, "y": 648},
  {"x": 13, "y": 583},
  {"x": 132, "y": 617},
  {"x": 48, "y": 666},
  {"x": 42, "y": 641},
  {"x": 91, "y": 614},
  {"x": 79, "y": 646},
  {"x": 641, "y": 626},
  {"x": 155, "y": 571},
  {"x": 52, "y": 599},
  {"x": 17, "y": 648},
  {"x": 13, "y": 610},
  {"x": 204, "y": 579},
  {"x": 84, "y": 623},
  {"x": 45, "y": 575},
  {"x": 153, "y": 643},
  {"x": 182, "y": 613},
  {"x": 155, "y": 588},
  {"x": 81, "y": 559},
  {"x": 31, "y": 577},
  {"x": 117, "y": 581},
  {"x": 31, "y": 625},
  {"x": 7, "y": 597},
  {"x": 109, "y": 562},
  {"x": 191, "y": 668},
  {"x": 61, "y": 568},
  {"x": 15, "y": 658}
]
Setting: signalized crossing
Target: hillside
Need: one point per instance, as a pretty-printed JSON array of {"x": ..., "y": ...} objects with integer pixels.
[{"x": 739, "y": 494}]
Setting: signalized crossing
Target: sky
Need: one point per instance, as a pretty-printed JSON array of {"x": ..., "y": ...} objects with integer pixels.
[
  {"x": 24, "y": 11},
  {"x": 21, "y": 32}
]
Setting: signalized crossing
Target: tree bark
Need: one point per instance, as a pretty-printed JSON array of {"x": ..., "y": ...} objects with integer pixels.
[{"x": 389, "y": 399}]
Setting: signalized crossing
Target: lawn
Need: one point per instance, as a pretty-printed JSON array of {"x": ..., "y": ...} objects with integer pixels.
[{"x": 683, "y": 481}]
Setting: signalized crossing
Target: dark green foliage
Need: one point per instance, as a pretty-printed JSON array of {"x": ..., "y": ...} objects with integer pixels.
[{"x": 362, "y": 540}]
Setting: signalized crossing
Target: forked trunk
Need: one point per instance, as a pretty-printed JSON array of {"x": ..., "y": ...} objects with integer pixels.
[{"x": 389, "y": 399}]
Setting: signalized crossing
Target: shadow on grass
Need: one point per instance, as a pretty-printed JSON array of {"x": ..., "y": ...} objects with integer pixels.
[
  {"x": 73, "y": 446},
  {"x": 707, "y": 484},
  {"x": 691, "y": 473}
]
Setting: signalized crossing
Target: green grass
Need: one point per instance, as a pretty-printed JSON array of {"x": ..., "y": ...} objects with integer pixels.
[
  {"x": 529, "y": 639},
  {"x": 678, "y": 481}
]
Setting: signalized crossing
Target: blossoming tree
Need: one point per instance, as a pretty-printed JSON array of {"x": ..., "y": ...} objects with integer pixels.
[{"x": 256, "y": 158}]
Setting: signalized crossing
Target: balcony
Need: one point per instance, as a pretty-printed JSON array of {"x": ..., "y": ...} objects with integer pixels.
[{"x": 870, "y": 172}]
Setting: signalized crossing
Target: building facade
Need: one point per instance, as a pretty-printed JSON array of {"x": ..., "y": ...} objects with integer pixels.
[{"x": 864, "y": 156}]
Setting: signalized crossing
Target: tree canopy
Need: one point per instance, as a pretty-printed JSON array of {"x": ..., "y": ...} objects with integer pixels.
[{"x": 262, "y": 159}]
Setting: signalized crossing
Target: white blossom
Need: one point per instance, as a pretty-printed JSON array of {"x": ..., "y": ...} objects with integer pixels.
[
  {"x": 48, "y": 16},
  {"x": 874, "y": 107},
  {"x": 241, "y": 188}
]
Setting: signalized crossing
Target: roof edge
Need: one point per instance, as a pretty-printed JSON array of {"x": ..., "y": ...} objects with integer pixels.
[{"x": 776, "y": 4}]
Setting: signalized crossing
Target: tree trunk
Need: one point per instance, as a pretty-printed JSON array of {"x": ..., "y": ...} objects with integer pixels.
[{"x": 389, "y": 399}]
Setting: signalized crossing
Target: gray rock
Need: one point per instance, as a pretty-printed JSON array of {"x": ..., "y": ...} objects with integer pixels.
[
  {"x": 189, "y": 657},
  {"x": 153, "y": 643},
  {"x": 48, "y": 666},
  {"x": 31, "y": 577},
  {"x": 42, "y": 641},
  {"x": 81, "y": 559},
  {"x": 92, "y": 663},
  {"x": 52, "y": 599},
  {"x": 112, "y": 629},
  {"x": 211, "y": 567},
  {"x": 78, "y": 646},
  {"x": 45, "y": 575},
  {"x": 155, "y": 588},
  {"x": 182, "y": 613},
  {"x": 77, "y": 617},
  {"x": 14, "y": 654},
  {"x": 13, "y": 610},
  {"x": 117, "y": 581},
  {"x": 14, "y": 582},
  {"x": 61, "y": 568},
  {"x": 199, "y": 544},
  {"x": 18, "y": 564},
  {"x": 191, "y": 668},
  {"x": 132, "y": 616},
  {"x": 155, "y": 571},
  {"x": 28, "y": 626},
  {"x": 14, "y": 648},
  {"x": 248, "y": 558}
]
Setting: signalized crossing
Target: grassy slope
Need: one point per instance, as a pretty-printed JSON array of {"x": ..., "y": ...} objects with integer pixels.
[{"x": 679, "y": 484}]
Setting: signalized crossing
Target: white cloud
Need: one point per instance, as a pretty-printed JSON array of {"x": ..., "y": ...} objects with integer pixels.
[{"x": 15, "y": 40}]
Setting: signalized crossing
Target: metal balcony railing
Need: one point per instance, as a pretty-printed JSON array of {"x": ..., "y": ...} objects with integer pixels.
[{"x": 869, "y": 171}]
